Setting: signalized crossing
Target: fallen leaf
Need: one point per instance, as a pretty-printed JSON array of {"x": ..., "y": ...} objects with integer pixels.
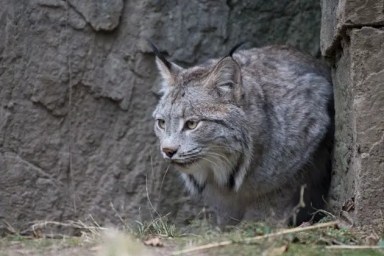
[
  {"x": 305, "y": 224},
  {"x": 155, "y": 241},
  {"x": 96, "y": 248},
  {"x": 38, "y": 233},
  {"x": 372, "y": 239},
  {"x": 276, "y": 251}
]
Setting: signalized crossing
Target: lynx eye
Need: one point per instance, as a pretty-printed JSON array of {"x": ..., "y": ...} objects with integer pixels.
[
  {"x": 161, "y": 123},
  {"x": 191, "y": 124}
]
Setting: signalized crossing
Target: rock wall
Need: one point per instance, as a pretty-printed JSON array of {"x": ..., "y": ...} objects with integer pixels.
[
  {"x": 352, "y": 37},
  {"x": 77, "y": 94}
]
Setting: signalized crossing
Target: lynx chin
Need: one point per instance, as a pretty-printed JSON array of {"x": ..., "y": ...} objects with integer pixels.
[{"x": 249, "y": 132}]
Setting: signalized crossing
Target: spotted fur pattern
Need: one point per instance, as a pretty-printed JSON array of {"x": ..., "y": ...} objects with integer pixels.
[{"x": 263, "y": 129}]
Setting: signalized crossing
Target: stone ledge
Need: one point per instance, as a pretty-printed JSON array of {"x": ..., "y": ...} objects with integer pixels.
[
  {"x": 359, "y": 139},
  {"x": 367, "y": 55},
  {"x": 339, "y": 16}
]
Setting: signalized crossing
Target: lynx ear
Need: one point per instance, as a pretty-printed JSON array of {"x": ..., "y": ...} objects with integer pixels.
[
  {"x": 226, "y": 76},
  {"x": 168, "y": 70}
]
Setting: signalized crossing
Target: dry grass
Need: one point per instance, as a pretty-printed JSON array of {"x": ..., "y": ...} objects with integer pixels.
[{"x": 163, "y": 238}]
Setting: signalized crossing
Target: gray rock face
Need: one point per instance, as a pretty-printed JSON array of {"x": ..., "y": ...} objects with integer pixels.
[
  {"x": 340, "y": 16},
  {"x": 99, "y": 14},
  {"x": 357, "y": 189},
  {"x": 77, "y": 95}
]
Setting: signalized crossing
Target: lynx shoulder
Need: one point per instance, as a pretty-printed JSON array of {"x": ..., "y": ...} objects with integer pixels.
[{"x": 249, "y": 131}]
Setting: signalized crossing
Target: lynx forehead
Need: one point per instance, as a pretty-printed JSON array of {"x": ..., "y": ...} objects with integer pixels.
[{"x": 245, "y": 127}]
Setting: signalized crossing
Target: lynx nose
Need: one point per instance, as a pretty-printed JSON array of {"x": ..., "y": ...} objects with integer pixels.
[{"x": 169, "y": 151}]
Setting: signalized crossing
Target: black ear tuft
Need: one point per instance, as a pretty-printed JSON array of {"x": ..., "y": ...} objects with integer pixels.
[
  {"x": 237, "y": 46},
  {"x": 159, "y": 54}
]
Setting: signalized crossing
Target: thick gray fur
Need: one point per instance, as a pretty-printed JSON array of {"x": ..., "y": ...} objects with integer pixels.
[{"x": 264, "y": 128}]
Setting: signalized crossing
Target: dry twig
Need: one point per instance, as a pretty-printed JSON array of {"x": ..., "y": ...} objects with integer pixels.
[
  {"x": 352, "y": 247},
  {"x": 256, "y": 238}
]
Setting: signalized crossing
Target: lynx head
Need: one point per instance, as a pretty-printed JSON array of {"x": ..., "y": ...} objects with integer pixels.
[{"x": 200, "y": 122}]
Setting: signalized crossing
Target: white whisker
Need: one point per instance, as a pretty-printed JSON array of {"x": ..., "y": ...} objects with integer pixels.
[
  {"x": 220, "y": 157},
  {"x": 225, "y": 148}
]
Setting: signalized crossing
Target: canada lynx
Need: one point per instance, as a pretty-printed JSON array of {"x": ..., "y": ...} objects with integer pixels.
[{"x": 249, "y": 131}]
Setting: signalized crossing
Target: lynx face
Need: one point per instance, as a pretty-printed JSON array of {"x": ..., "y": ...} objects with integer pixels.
[{"x": 200, "y": 123}]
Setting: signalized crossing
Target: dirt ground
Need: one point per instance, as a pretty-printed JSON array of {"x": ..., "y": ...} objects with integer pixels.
[{"x": 154, "y": 239}]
